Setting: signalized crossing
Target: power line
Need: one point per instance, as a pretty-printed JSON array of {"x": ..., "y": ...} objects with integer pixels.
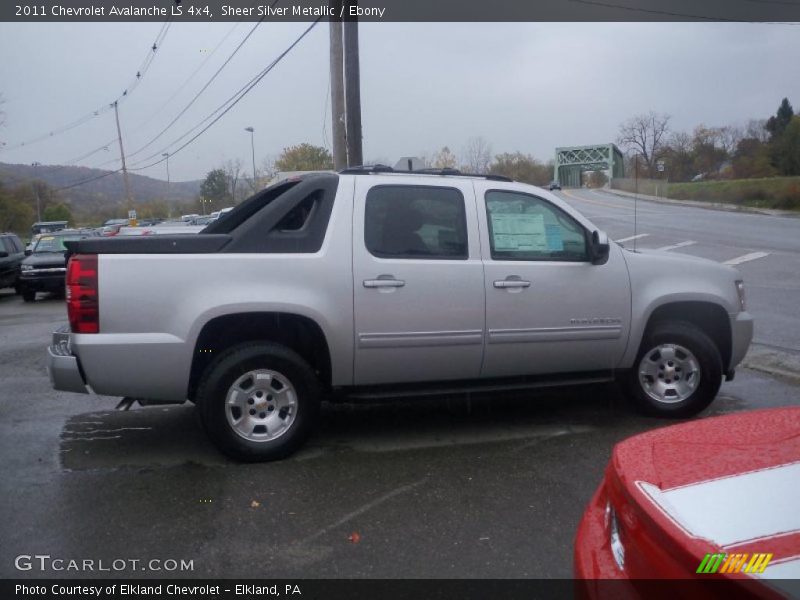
[
  {"x": 234, "y": 100},
  {"x": 190, "y": 77},
  {"x": 115, "y": 160},
  {"x": 227, "y": 106},
  {"x": 676, "y": 14},
  {"x": 203, "y": 89},
  {"x": 132, "y": 85}
]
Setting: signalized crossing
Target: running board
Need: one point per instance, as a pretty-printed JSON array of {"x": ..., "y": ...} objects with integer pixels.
[{"x": 453, "y": 388}]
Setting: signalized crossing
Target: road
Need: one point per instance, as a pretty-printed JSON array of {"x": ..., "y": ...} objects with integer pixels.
[
  {"x": 456, "y": 488},
  {"x": 767, "y": 246}
]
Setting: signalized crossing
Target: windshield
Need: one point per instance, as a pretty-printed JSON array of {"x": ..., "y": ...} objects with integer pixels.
[{"x": 54, "y": 243}]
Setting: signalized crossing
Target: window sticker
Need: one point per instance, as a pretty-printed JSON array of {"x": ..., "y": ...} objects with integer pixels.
[
  {"x": 519, "y": 232},
  {"x": 554, "y": 241}
]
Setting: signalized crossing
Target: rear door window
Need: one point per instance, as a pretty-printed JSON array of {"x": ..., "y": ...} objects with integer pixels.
[{"x": 404, "y": 221}]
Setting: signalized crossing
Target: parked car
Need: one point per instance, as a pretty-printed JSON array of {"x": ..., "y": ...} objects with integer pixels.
[
  {"x": 554, "y": 185},
  {"x": 44, "y": 268},
  {"x": 11, "y": 254},
  {"x": 711, "y": 499},
  {"x": 367, "y": 284}
]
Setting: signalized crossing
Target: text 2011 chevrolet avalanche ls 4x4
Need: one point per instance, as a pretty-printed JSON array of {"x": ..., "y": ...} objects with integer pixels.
[{"x": 370, "y": 282}]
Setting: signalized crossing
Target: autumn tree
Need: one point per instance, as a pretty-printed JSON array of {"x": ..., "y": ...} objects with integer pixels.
[
  {"x": 645, "y": 135},
  {"x": 476, "y": 156},
  {"x": 233, "y": 171},
  {"x": 522, "y": 167},
  {"x": 679, "y": 157},
  {"x": 304, "y": 157},
  {"x": 444, "y": 159}
]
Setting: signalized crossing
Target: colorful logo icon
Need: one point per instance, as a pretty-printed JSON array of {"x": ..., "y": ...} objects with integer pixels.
[{"x": 734, "y": 563}]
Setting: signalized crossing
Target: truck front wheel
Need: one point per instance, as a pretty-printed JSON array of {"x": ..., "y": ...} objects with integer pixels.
[
  {"x": 258, "y": 401},
  {"x": 677, "y": 372}
]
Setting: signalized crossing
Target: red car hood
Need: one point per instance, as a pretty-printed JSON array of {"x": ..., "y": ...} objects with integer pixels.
[{"x": 724, "y": 484}]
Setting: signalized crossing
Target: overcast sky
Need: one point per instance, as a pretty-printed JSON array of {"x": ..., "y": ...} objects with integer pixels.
[{"x": 522, "y": 86}]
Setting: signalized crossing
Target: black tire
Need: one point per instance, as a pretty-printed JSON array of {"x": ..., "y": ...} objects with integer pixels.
[
  {"x": 28, "y": 295},
  {"x": 708, "y": 359},
  {"x": 224, "y": 371}
]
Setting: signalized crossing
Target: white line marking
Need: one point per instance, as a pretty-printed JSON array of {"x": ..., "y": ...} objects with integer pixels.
[
  {"x": 633, "y": 237},
  {"x": 673, "y": 246},
  {"x": 745, "y": 258}
]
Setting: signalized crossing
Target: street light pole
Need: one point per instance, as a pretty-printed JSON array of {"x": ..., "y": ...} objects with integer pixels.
[
  {"x": 253, "y": 149},
  {"x": 36, "y": 191}
]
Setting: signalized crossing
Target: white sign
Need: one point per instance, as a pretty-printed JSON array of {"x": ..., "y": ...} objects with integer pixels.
[
  {"x": 660, "y": 166},
  {"x": 519, "y": 232},
  {"x": 132, "y": 214}
]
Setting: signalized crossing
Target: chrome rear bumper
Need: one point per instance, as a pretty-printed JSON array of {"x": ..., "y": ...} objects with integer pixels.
[{"x": 62, "y": 367}]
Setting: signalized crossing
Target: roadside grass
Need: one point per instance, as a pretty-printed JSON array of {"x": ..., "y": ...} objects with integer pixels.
[{"x": 773, "y": 192}]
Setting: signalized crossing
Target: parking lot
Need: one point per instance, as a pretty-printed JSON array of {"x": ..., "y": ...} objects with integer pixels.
[{"x": 477, "y": 487}]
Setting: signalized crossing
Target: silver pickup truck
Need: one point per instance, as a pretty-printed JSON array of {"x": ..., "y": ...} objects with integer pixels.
[{"x": 373, "y": 283}]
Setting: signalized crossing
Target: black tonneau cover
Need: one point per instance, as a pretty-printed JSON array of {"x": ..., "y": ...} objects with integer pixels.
[
  {"x": 185, "y": 243},
  {"x": 247, "y": 228}
]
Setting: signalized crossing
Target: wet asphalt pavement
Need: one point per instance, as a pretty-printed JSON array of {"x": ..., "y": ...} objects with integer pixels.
[{"x": 475, "y": 487}]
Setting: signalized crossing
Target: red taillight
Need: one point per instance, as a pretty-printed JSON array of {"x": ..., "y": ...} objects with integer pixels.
[{"x": 83, "y": 302}]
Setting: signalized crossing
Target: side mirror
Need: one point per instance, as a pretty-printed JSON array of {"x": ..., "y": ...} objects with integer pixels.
[
  {"x": 28, "y": 252},
  {"x": 3, "y": 254},
  {"x": 599, "y": 248}
]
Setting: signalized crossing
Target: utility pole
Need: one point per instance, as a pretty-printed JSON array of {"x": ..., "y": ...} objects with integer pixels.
[
  {"x": 352, "y": 79},
  {"x": 253, "y": 149},
  {"x": 337, "y": 91},
  {"x": 635, "y": 196},
  {"x": 122, "y": 155},
  {"x": 169, "y": 205},
  {"x": 36, "y": 191}
]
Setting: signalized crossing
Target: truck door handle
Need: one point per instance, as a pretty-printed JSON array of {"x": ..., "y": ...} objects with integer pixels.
[
  {"x": 511, "y": 283},
  {"x": 383, "y": 283}
]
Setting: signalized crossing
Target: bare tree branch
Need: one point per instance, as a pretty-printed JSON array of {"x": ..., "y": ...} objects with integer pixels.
[{"x": 645, "y": 135}]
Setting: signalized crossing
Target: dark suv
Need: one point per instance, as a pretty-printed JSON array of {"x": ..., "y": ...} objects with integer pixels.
[
  {"x": 11, "y": 254},
  {"x": 44, "y": 269}
]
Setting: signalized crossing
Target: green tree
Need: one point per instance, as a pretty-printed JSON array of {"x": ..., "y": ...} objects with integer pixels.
[
  {"x": 15, "y": 215},
  {"x": 787, "y": 149},
  {"x": 776, "y": 124},
  {"x": 215, "y": 189},
  {"x": 304, "y": 157},
  {"x": 752, "y": 159},
  {"x": 57, "y": 212}
]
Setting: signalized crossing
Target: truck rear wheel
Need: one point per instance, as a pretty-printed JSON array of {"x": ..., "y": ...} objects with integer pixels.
[
  {"x": 677, "y": 373},
  {"x": 258, "y": 401}
]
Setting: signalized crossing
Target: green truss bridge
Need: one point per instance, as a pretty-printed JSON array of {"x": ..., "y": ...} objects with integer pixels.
[{"x": 573, "y": 161}]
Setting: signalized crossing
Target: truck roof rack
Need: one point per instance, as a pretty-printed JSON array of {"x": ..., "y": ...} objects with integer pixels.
[{"x": 370, "y": 169}]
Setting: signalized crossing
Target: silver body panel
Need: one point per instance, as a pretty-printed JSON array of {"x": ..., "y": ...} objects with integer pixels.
[{"x": 448, "y": 321}]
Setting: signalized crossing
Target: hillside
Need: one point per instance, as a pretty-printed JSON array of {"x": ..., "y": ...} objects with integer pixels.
[{"x": 98, "y": 195}]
